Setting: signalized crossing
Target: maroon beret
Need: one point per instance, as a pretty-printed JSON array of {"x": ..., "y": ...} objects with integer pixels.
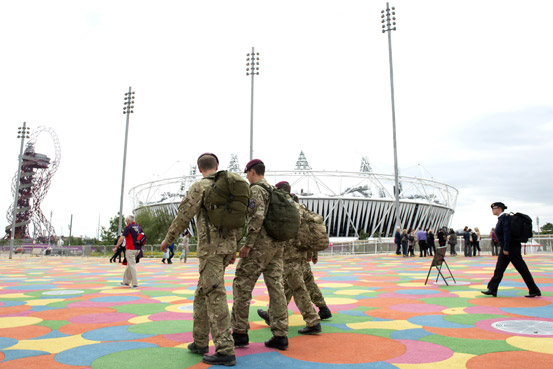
[
  {"x": 252, "y": 163},
  {"x": 281, "y": 183}
]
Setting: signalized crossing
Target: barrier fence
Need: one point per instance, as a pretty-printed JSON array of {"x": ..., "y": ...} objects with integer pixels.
[{"x": 371, "y": 246}]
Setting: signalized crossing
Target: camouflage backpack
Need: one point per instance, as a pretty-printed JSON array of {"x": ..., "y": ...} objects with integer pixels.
[
  {"x": 312, "y": 234},
  {"x": 226, "y": 200},
  {"x": 282, "y": 220}
]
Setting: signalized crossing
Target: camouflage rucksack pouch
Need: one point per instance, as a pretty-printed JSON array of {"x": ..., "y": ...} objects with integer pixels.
[
  {"x": 312, "y": 234},
  {"x": 226, "y": 200},
  {"x": 282, "y": 220}
]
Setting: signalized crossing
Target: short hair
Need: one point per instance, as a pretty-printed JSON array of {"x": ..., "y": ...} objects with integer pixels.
[
  {"x": 207, "y": 161},
  {"x": 259, "y": 169},
  {"x": 130, "y": 218}
]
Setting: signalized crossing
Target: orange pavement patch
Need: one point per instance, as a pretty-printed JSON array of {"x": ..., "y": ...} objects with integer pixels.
[
  {"x": 14, "y": 309},
  {"x": 511, "y": 359},
  {"x": 160, "y": 341},
  {"x": 80, "y": 328},
  {"x": 68, "y": 313},
  {"x": 35, "y": 362},
  {"x": 393, "y": 314},
  {"x": 325, "y": 348},
  {"x": 25, "y": 333},
  {"x": 468, "y": 333},
  {"x": 509, "y": 302},
  {"x": 386, "y": 301}
]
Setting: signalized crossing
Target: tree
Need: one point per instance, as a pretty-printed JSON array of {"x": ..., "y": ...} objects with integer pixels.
[
  {"x": 155, "y": 224},
  {"x": 107, "y": 236},
  {"x": 547, "y": 228}
]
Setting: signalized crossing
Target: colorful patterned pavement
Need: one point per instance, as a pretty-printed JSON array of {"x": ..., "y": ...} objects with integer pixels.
[{"x": 72, "y": 313}]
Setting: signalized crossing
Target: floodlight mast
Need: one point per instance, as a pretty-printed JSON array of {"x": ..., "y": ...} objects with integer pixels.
[
  {"x": 252, "y": 69},
  {"x": 128, "y": 107},
  {"x": 388, "y": 25}
]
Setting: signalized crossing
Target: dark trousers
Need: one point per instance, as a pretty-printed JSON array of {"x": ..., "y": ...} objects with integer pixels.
[
  {"x": 495, "y": 248},
  {"x": 475, "y": 245},
  {"x": 468, "y": 248},
  {"x": 422, "y": 247},
  {"x": 503, "y": 261}
]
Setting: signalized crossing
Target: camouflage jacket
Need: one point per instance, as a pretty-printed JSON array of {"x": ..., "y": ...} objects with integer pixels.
[
  {"x": 256, "y": 234},
  {"x": 291, "y": 251},
  {"x": 190, "y": 207}
]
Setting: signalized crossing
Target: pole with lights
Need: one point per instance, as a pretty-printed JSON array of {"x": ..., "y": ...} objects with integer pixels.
[
  {"x": 252, "y": 69},
  {"x": 128, "y": 107},
  {"x": 388, "y": 25},
  {"x": 23, "y": 133}
]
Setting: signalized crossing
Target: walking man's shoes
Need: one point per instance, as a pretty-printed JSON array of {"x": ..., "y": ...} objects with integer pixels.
[
  {"x": 241, "y": 339},
  {"x": 280, "y": 343},
  {"x": 490, "y": 293},
  {"x": 220, "y": 359},
  {"x": 324, "y": 312},
  {"x": 311, "y": 330},
  {"x": 533, "y": 294},
  {"x": 264, "y": 315},
  {"x": 198, "y": 349}
]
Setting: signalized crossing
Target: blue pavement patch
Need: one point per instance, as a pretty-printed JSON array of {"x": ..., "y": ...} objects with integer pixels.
[
  {"x": 12, "y": 303},
  {"x": 85, "y": 355},
  {"x": 436, "y": 321},
  {"x": 347, "y": 278},
  {"x": 119, "y": 333},
  {"x": 115, "y": 299},
  {"x": 19, "y": 354},
  {"x": 538, "y": 312},
  {"x": 44, "y": 308},
  {"x": 7, "y": 342},
  {"x": 33, "y": 287},
  {"x": 410, "y": 334},
  {"x": 270, "y": 360},
  {"x": 52, "y": 334}
]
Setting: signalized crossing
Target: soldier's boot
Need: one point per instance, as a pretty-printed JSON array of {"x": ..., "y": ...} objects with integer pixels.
[
  {"x": 324, "y": 312},
  {"x": 264, "y": 315},
  {"x": 311, "y": 330},
  {"x": 198, "y": 349},
  {"x": 241, "y": 339},
  {"x": 280, "y": 343},
  {"x": 220, "y": 359}
]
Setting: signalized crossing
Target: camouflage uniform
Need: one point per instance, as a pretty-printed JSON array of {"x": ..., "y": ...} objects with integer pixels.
[
  {"x": 210, "y": 299},
  {"x": 265, "y": 257},
  {"x": 314, "y": 291},
  {"x": 294, "y": 284}
]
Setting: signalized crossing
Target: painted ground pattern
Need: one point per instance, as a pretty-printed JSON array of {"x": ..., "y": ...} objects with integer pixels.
[{"x": 72, "y": 313}]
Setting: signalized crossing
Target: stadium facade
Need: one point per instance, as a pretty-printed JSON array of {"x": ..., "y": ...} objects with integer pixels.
[{"x": 352, "y": 203}]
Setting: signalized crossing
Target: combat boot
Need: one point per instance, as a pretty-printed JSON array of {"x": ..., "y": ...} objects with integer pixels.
[
  {"x": 197, "y": 349},
  {"x": 324, "y": 312},
  {"x": 220, "y": 359},
  {"x": 311, "y": 330},
  {"x": 264, "y": 315},
  {"x": 241, "y": 339},
  {"x": 280, "y": 343}
]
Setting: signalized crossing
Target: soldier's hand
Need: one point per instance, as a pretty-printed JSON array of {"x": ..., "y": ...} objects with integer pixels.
[
  {"x": 505, "y": 252},
  {"x": 163, "y": 246},
  {"x": 231, "y": 260},
  {"x": 244, "y": 252}
]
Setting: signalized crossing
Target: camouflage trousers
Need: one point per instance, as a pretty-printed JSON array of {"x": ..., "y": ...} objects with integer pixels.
[
  {"x": 294, "y": 285},
  {"x": 211, "y": 312},
  {"x": 314, "y": 291},
  {"x": 267, "y": 260}
]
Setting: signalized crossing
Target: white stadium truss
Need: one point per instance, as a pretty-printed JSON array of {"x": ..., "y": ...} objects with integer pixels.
[{"x": 351, "y": 202}]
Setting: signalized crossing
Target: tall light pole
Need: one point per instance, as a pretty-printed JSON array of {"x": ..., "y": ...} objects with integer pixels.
[
  {"x": 128, "y": 107},
  {"x": 252, "y": 69},
  {"x": 23, "y": 133},
  {"x": 388, "y": 25}
]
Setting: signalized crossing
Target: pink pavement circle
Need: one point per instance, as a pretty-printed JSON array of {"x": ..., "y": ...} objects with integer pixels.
[{"x": 102, "y": 318}]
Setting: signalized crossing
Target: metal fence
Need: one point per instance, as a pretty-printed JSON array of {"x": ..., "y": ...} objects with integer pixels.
[{"x": 371, "y": 246}]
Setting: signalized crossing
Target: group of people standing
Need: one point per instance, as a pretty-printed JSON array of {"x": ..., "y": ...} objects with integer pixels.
[
  {"x": 472, "y": 241},
  {"x": 260, "y": 254}
]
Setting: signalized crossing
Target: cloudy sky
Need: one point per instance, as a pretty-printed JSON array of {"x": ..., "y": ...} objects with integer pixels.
[{"x": 473, "y": 85}]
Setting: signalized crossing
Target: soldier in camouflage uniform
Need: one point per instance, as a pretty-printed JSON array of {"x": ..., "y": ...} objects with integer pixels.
[
  {"x": 294, "y": 284},
  {"x": 314, "y": 291},
  {"x": 215, "y": 252},
  {"x": 260, "y": 254}
]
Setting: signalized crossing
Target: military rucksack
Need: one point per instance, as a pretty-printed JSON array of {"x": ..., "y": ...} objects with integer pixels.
[
  {"x": 226, "y": 200},
  {"x": 521, "y": 227},
  {"x": 282, "y": 220},
  {"x": 312, "y": 235}
]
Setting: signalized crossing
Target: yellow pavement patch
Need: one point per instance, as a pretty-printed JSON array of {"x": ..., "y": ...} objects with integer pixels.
[
  {"x": 456, "y": 361},
  {"x": 14, "y": 296},
  {"x": 260, "y": 303},
  {"x": 335, "y": 285},
  {"x": 184, "y": 292},
  {"x": 120, "y": 291},
  {"x": 43, "y": 302},
  {"x": 411, "y": 284},
  {"x": 388, "y": 324},
  {"x": 412, "y": 274},
  {"x": 166, "y": 298},
  {"x": 140, "y": 319},
  {"x": 466, "y": 294},
  {"x": 53, "y": 345},
  {"x": 352, "y": 292},
  {"x": 18, "y": 321},
  {"x": 295, "y": 320},
  {"x": 339, "y": 301},
  {"x": 536, "y": 344},
  {"x": 179, "y": 308},
  {"x": 454, "y": 311}
]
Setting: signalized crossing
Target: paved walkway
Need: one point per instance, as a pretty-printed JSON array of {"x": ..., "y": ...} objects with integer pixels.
[{"x": 72, "y": 313}]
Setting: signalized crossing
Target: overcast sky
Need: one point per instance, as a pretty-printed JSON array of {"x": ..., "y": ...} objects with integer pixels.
[{"x": 473, "y": 88}]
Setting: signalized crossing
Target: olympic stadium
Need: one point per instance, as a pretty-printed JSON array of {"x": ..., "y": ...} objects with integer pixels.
[{"x": 352, "y": 203}]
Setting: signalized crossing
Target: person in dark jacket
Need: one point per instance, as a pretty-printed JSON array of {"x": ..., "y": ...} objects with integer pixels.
[
  {"x": 510, "y": 252},
  {"x": 466, "y": 238},
  {"x": 430, "y": 242},
  {"x": 397, "y": 241}
]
